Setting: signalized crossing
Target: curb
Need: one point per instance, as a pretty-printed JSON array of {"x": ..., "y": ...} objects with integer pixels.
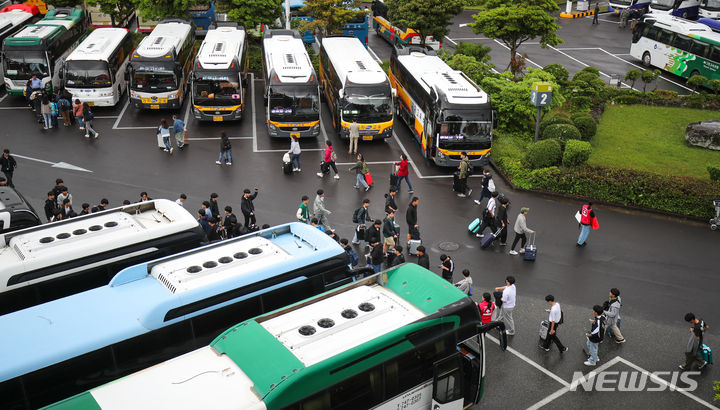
[
  {"x": 618, "y": 205},
  {"x": 576, "y": 15}
]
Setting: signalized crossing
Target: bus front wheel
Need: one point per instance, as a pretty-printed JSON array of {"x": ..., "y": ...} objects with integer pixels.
[
  {"x": 646, "y": 59},
  {"x": 694, "y": 73}
]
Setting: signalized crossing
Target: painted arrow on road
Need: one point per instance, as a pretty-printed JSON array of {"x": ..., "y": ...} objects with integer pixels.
[{"x": 63, "y": 165}]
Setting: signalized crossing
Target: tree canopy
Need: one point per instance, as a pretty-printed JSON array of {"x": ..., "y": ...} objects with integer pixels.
[
  {"x": 157, "y": 9},
  {"x": 250, "y": 13},
  {"x": 117, "y": 10},
  {"x": 427, "y": 17},
  {"x": 515, "y": 22},
  {"x": 330, "y": 16}
]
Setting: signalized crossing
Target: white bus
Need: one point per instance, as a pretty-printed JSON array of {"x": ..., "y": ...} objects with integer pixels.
[
  {"x": 710, "y": 9},
  {"x": 445, "y": 110},
  {"x": 617, "y": 6},
  {"x": 356, "y": 88},
  {"x": 159, "y": 68},
  {"x": 219, "y": 77},
  {"x": 292, "y": 96},
  {"x": 13, "y": 18},
  {"x": 95, "y": 71},
  {"x": 687, "y": 9}
]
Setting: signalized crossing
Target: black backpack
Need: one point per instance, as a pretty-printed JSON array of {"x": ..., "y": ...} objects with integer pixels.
[
  {"x": 355, "y": 216},
  {"x": 470, "y": 169}
]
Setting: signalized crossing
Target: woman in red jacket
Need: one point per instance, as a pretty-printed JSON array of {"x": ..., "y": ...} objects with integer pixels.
[
  {"x": 403, "y": 173},
  {"x": 328, "y": 161}
]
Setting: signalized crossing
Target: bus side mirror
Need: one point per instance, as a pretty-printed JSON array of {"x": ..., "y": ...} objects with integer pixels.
[
  {"x": 127, "y": 74},
  {"x": 61, "y": 71},
  {"x": 340, "y": 93},
  {"x": 394, "y": 92}
]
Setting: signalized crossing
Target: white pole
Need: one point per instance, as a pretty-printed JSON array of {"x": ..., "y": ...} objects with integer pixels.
[
  {"x": 568, "y": 7},
  {"x": 287, "y": 14}
]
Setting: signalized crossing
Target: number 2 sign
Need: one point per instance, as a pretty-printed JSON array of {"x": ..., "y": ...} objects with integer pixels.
[{"x": 541, "y": 94}]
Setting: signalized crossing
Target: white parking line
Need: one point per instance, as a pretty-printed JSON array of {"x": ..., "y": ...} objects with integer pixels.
[
  {"x": 466, "y": 38},
  {"x": 134, "y": 128},
  {"x": 578, "y": 48},
  {"x": 254, "y": 119},
  {"x": 3, "y": 98},
  {"x": 606, "y": 20},
  {"x": 14, "y": 108},
  {"x": 451, "y": 40},
  {"x": 642, "y": 68},
  {"x": 106, "y": 116},
  {"x": 117, "y": 122},
  {"x": 187, "y": 112},
  {"x": 375, "y": 56},
  {"x": 527, "y": 59},
  {"x": 586, "y": 65}
]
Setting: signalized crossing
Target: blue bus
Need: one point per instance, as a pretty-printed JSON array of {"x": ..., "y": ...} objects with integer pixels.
[
  {"x": 357, "y": 27},
  {"x": 157, "y": 310},
  {"x": 202, "y": 16}
]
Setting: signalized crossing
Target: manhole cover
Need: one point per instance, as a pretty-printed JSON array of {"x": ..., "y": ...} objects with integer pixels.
[{"x": 449, "y": 246}]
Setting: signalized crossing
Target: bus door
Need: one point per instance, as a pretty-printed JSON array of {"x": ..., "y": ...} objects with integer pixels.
[{"x": 457, "y": 379}]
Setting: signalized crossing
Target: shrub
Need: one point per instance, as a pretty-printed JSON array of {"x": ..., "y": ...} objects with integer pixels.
[
  {"x": 557, "y": 71},
  {"x": 561, "y": 131},
  {"x": 580, "y": 102},
  {"x": 696, "y": 81},
  {"x": 627, "y": 99},
  {"x": 576, "y": 153},
  {"x": 589, "y": 69},
  {"x": 543, "y": 154},
  {"x": 255, "y": 58},
  {"x": 555, "y": 119},
  {"x": 714, "y": 173},
  {"x": 585, "y": 123}
]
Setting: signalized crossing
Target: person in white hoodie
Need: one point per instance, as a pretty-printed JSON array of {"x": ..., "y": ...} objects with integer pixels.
[
  {"x": 521, "y": 231},
  {"x": 295, "y": 153}
]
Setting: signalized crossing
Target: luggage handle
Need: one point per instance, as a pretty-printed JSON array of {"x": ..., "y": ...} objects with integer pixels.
[{"x": 533, "y": 238}]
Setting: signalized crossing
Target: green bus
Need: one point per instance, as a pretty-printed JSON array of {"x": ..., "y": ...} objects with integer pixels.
[
  {"x": 400, "y": 339},
  {"x": 41, "y": 48}
]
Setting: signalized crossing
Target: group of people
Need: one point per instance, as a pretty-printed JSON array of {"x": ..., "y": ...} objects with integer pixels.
[
  {"x": 178, "y": 130},
  {"x": 58, "y": 205},
  {"x": 48, "y": 107},
  {"x": 219, "y": 226}
]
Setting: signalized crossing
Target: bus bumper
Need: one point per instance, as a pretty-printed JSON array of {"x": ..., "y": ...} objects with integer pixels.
[
  {"x": 386, "y": 133},
  {"x": 454, "y": 160},
  {"x": 282, "y": 132},
  {"x": 217, "y": 115},
  {"x": 160, "y": 104},
  {"x": 94, "y": 101}
]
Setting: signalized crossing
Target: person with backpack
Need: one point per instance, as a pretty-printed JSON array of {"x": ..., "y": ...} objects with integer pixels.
[
  {"x": 352, "y": 255},
  {"x": 465, "y": 170},
  {"x": 360, "y": 217},
  {"x": 465, "y": 284},
  {"x": 329, "y": 159},
  {"x": 447, "y": 267},
  {"x": 390, "y": 204},
  {"x": 555, "y": 318},
  {"x": 595, "y": 336},
  {"x": 54, "y": 112},
  {"x": 319, "y": 210},
  {"x": 488, "y": 186},
  {"x": 612, "y": 315},
  {"x": 360, "y": 169},
  {"x": 488, "y": 216},
  {"x": 78, "y": 114},
  {"x": 225, "y": 150},
  {"x": 376, "y": 256},
  {"x": 65, "y": 108},
  {"x": 486, "y": 307},
  {"x": 587, "y": 220},
  {"x": 87, "y": 120},
  {"x": 693, "y": 351},
  {"x": 398, "y": 258},
  {"x": 303, "y": 212},
  {"x": 179, "y": 130},
  {"x": 46, "y": 112}
]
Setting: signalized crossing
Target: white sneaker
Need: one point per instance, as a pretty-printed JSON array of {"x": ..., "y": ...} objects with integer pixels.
[
  {"x": 295, "y": 170},
  {"x": 299, "y": 170},
  {"x": 171, "y": 150},
  {"x": 165, "y": 149},
  {"x": 228, "y": 163},
  {"x": 461, "y": 195},
  {"x": 319, "y": 174},
  {"x": 477, "y": 202},
  {"x": 82, "y": 128},
  {"x": 513, "y": 252},
  {"x": 589, "y": 363},
  {"x": 217, "y": 162},
  {"x": 337, "y": 176},
  {"x": 87, "y": 135},
  {"x": 480, "y": 235},
  {"x": 96, "y": 135}
]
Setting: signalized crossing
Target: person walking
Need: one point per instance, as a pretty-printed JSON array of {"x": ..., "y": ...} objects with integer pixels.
[
  {"x": 488, "y": 186},
  {"x": 354, "y": 136},
  {"x": 303, "y": 213},
  {"x": 214, "y": 207},
  {"x": 464, "y": 173},
  {"x": 398, "y": 258},
  {"x": 465, "y": 284},
  {"x": 374, "y": 233},
  {"x": 229, "y": 226},
  {"x": 181, "y": 200},
  {"x": 202, "y": 219},
  {"x": 596, "y": 12},
  {"x": 376, "y": 257},
  {"x": 54, "y": 111},
  {"x": 487, "y": 307},
  {"x": 315, "y": 223},
  {"x": 403, "y": 172},
  {"x": 46, "y": 112},
  {"x": 50, "y": 206},
  {"x": 521, "y": 231},
  {"x": 389, "y": 233},
  {"x": 447, "y": 267},
  {"x": 502, "y": 220},
  {"x": 179, "y": 130},
  {"x": 555, "y": 318},
  {"x": 587, "y": 220},
  {"x": 88, "y": 116},
  {"x": 225, "y": 150},
  {"x": 63, "y": 195},
  {"x": 360, "y": 169},
  {"x": 505, "y": 312},
  {"x": 164, "y": 131},
  {"x": 390, "y": 204},
  {"x": 248, "y": 208},
  {"x": 488, "y": 216},
  {"x": 295, "y": 153},
  {"x": 412, "y": 220},
  {"x": 612, "y": 315},
  {"x": 423, "y": 258},
  {"x": 319, "y": 210},
  {"x": 104, "y": 203},
  {"x": 8, "y": 166},
  {"x": 78, "y": 114},
  {"x": 352, "y": 255},
  {"x": 698, "y": 327},
  {"x": 328, "y": 161},
  {"x": 363, "y": 216},
  {"x": 65, "y": 109},
  {"x": 595, "y": 335}
]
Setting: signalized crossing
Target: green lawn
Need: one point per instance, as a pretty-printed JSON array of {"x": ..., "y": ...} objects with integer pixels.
[{"x": 652, "y": 139}]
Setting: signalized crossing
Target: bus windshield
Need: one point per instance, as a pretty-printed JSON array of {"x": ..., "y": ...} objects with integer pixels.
[
  {"x": 87, "y": 74},
  {"x": 154, "y": 78},
  {"x": 711, "y": 5},
  {"x": 459, "y": 134},
  {"x": 366, "y": 107},
  {"x": 22, "y": 65},
  {"x": 217, "y": 88},
  {"x": 622, "y": 2},
  {"x": 296, "y": 104},
  {"x": 663, "y": 4}
]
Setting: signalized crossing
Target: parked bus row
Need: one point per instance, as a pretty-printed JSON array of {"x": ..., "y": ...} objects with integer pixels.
[
  {"x": 400, "y": 339},
  {"x": 399, "y": 37}
]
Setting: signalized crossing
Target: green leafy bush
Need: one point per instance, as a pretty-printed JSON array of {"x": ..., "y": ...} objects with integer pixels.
[
  {"x": 555, "y": 119},
  {"x": 544, "y": 154},
  {"x": 561, "y": 131},
  {"x": 714, "y": 173},
  {"x": 557, "y": 71},
  {"x": 627, "y": 99},
  {"x": 255, "y": 58},
  {"x": 576, "y": 153},
  {"x": 586, "y": 124}
]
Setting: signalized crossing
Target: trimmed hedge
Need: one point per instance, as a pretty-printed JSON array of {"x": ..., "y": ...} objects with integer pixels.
[
  {"x": 562, "y": 132},
  {"x": 586, "y": 124},
  {"x": 555, "y": 119},
  {"x": 576, "y": 153},
  {"x": 682, "y": 195},
  {"x": 543, "y": 154}
]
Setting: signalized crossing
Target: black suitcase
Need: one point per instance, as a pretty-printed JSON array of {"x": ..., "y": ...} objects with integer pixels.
[
  {"x": 361, "y": 230},
  {"x": 530, "y": 253},
  {"x": 287, "y": 168},
  {"x": 393, "y": 180},
  {"x": 487, "y": 240},
  {"x": 457, "y": 185}
]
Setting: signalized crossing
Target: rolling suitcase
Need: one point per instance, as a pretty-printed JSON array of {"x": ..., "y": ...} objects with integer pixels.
[
  {"x": 474, "y": 225},
  {"x": 413, "y": 245},
  {"x": 544, "y": 329},
  {"x": 393, "y": 180},
  {"x": 456, "y": 182},
  {"x": 361, "y": 230},
  {"x": 530, "y": 251},
  {"x": 160, "y": 142},
  {"x": 368, "y": 178},
  {"x": 706, "y": 353},
  {"x": 287, "y": 168},
  {"x": 487, "y": 240}
]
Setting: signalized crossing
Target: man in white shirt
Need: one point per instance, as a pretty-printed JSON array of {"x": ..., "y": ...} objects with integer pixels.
[
  {"x": 555, "y": 318},
  {"x": 505, "y": 312},
  {"x": 181, "y": 201},
  {"x": 488, "y": 216}
]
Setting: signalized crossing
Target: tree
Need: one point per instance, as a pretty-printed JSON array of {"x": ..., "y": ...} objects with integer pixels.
[
  {"x": 649, "y": 76},
  {"x": 329, "y": 16},
  {"x": 469, "y": 65},
  {"x": 117, "y": 10},
  {"x": 632, "y": 76},
  {"x": 427, "y": 17},
  {"x": 714, "y": 85},
  {"x": 157, "y": 9},
  {"x": 251, "y": 13},
  {"x": 515, "y": 22},
  {"x": 476, "y": 50},
  {"x": 697, "y": 81}
]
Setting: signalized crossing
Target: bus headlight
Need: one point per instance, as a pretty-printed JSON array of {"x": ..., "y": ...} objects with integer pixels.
[
  {"x": 272, "y": 127},
  {"x": 315, "y": 127},
  {"x": 172, "y": 96},
  {"x": 196, "y": 111}
]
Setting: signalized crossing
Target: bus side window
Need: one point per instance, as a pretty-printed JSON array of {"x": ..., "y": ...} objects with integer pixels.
[
  {"x": 652, "y": 32},
  {"x": 664, "y": 36},
  {"x": 715, "y": 54},
  {"x": 448, "y": 380},
  {"x": 365, "y": 388},
  {"x": 681, "y": 42},
  {"x": 698, "y": 48}
]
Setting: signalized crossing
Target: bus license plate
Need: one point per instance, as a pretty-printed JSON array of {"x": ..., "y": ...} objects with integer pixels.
[
  {"x": 154, "y": 106},
  {"x": 217, "y": 118},
  {"x": 90, "y": 103},
  {"x": 295, "y": 134},
  {"x": 367, "y": 137}
]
